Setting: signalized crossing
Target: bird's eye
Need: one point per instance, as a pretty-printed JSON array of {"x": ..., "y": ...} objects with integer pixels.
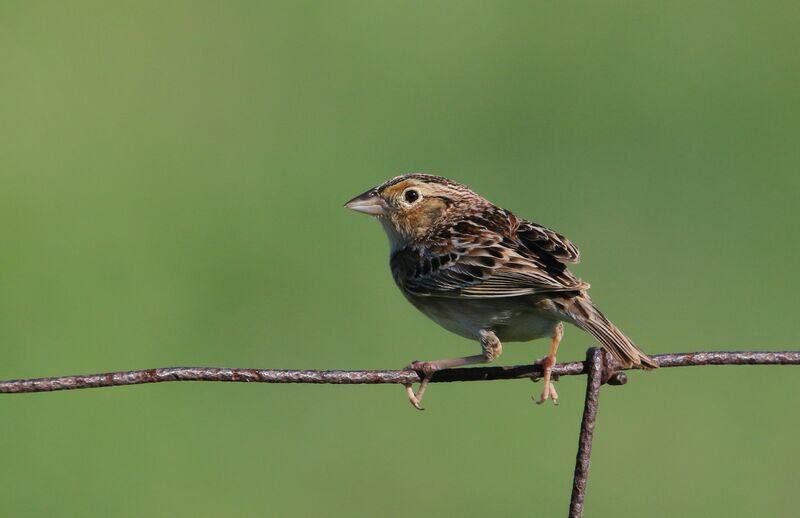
[{"x": 411, "y": 195}]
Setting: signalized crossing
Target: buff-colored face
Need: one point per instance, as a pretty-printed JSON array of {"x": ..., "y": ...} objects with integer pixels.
[{"x": 407, "y": 208}]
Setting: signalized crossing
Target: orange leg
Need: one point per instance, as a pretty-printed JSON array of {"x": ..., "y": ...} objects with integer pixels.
[
  {"x": 492, "y": 348},
  {"x": 549, "y": 390}
]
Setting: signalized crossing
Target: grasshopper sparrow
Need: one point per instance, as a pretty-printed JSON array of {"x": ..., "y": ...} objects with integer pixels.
[{"x": 485, "y": 274}]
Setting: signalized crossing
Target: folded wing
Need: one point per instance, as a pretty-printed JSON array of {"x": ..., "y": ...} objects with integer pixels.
[{"x": 504, "y": 257}]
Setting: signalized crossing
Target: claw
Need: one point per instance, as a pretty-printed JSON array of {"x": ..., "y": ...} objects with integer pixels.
[
  {"x": 427, "y": 370},
  {"x": 412, "y": 398},
  {"x": 548, "y": 392}
]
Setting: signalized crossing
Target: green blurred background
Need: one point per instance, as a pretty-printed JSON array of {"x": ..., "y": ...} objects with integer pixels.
[{"x": 171, "y": 185}]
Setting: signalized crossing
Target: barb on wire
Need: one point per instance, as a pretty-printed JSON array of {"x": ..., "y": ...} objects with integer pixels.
[{"x": 113, "y": 379}]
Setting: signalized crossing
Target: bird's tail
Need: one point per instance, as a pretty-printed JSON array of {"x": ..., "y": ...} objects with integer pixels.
[{"x": 585, "y": 315}]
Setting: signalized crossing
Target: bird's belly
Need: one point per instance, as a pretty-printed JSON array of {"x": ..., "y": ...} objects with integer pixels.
[{"x": 514, "y": 319}]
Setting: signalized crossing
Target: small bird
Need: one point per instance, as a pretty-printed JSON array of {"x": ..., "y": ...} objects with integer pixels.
[{"x": 485, "y": 274}]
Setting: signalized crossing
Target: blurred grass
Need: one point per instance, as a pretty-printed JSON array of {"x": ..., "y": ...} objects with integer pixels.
[{"x": 171, "y": 182}]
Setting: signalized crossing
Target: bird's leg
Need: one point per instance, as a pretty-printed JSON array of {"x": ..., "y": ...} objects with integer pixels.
[
  {"x": 429, "y": 368},
  {"x": 492, "y": 348},
  {"x": 547, "y": 362}
]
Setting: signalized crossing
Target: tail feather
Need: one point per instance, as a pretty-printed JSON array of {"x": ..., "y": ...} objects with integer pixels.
[{"x": 585, "y": 314}]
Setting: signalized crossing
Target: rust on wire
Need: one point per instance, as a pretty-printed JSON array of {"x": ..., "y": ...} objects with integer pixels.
[
  {"x": 595, "y": 364},
  {"x": 599, "y": 366},
  {"x": 112, "y": 379}
]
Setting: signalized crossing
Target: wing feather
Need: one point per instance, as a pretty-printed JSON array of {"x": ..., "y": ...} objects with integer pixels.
[{"x": 502, "y": 257}]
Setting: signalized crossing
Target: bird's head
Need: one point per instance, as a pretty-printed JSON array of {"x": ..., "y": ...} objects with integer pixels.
[{"x": 410, "y": 206}]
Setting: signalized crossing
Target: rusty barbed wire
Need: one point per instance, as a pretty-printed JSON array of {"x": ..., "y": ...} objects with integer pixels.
[{"x": 340, "y": 377}]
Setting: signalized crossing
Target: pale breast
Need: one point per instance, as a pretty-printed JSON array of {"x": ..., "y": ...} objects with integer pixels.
[{"x": 513, "y": 319}]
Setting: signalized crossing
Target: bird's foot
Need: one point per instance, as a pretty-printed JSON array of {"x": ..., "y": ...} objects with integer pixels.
[
  {"x": 549, "y": 390},
  {"x": 427, "y": 369}
]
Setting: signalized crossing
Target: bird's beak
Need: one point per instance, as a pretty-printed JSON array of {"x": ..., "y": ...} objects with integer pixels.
[{"x": 369, "y": 203}]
